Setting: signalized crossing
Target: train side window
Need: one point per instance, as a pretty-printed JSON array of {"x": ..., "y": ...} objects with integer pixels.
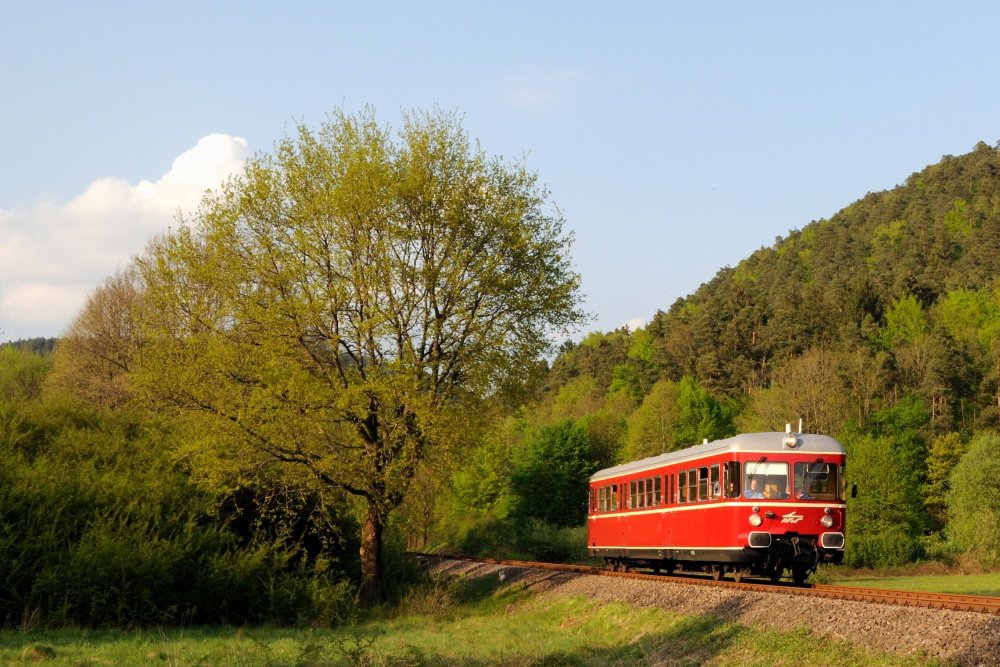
[
  {"x": 673, "y": 490},
  {"x": 714, "y": 483},
  {"x": 649, "y": 492},
  {"x": 614, "y": 496},
  {"x": 692, "y": 484},
  {"x": 631, "y": 497},
  {"x": 682, "y": 484},
  {"x": 732, "y": 479},
  {"x": 703, "y": 483},
  {"x": 600, "y": 499},
  {"x": 656, "y": 491},
  {"x": 642, "y": 493}
]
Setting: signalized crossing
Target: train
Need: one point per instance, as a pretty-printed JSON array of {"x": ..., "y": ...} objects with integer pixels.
[{"x": 753, "y": 505}]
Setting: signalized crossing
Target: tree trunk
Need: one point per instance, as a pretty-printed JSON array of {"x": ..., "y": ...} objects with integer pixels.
[{"x": 372, "y": 591}]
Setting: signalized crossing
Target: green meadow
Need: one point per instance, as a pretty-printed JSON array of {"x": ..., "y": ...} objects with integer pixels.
[{"x": 457, "y": 622}]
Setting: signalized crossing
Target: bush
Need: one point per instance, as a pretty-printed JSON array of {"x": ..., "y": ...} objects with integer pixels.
[
  {"x": 100, "y": 526},
  {"x": 883, "y": 550},
  {"x": 510, "y": 539},
  {"x": 974, "y": 501}
]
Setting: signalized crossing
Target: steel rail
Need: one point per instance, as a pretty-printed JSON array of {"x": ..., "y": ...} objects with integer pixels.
[{"x": 971, "y": 603}]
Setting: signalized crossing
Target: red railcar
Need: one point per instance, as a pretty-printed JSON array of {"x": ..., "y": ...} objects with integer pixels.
[{"x": 754, "y": 505}]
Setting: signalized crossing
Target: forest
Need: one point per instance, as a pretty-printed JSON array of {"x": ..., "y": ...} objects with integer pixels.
[{"x": 145, "y": 480}]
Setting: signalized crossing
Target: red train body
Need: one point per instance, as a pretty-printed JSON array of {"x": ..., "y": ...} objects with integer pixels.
[{"x": 756, "y": 504}]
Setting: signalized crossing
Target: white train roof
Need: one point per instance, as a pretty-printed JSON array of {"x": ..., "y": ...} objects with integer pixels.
[{"x": 756, "y": 443}]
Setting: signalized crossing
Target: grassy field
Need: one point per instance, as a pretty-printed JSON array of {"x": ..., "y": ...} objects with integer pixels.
[
  {"x": 465, "y": 622},
  {"x": 926, "y": 577}
]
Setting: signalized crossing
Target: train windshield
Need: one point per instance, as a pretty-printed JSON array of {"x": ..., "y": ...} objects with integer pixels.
[
  {"x": 817, "y": 481},
  {"x": 765, "y": 480}
]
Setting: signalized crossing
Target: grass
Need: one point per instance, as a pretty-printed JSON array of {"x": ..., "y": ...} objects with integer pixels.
[
  {"x": 474, "y": 622},
  {"x": 928, "y": 577}
]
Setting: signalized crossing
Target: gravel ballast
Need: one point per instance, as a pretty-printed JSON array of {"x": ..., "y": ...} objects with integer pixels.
[{"x": 964, "y": 637}]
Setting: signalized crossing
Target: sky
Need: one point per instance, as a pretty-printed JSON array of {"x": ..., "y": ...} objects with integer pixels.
[{"x": 675, "y": 138}]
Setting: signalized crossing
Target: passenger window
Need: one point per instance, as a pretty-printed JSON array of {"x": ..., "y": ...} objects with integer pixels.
[
  {"x": 692, "y": 484},
  {"x": 656, "y": 491},
  {"x": 682, "y": 485},
  {"x": 703, "y": 483},
  {"x": 714, "y": 483},
  {"x": 673, "y": 490},
  {"x": 631, "y": 498},
  {"x": 614, "y": 496},
  {"x": 642, "y": 493},
  {"x": 600, "y": 499}
]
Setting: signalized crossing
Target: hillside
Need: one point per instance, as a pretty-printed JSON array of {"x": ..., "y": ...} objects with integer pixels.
[
  {"x": 879, "y": 326},
  {"x": 908, "y": 273}
]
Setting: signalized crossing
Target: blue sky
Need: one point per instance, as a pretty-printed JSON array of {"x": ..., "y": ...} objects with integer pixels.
[{"x": 675, "y": 137}]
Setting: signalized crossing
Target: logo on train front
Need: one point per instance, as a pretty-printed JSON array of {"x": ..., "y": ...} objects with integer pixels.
[{"x": 792, "y": 517}]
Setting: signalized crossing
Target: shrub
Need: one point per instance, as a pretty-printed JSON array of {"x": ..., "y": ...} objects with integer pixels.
[{"x": 882, "y": 550}]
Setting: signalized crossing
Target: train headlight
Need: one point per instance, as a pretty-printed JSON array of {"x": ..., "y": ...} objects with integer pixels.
[
  {"x": 755, "y": 520},
  {"x": 827, "y": 521}
]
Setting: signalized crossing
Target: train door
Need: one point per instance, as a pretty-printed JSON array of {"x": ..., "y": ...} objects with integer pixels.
[
  {"x": 669, "y": 500},
  {"x": 618, "y": 495}
]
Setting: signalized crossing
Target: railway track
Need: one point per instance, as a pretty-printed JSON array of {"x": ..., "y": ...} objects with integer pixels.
[{"x": 971, "y": 603}]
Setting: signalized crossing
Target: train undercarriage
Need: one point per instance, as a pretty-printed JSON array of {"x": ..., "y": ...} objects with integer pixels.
[{"x": 800, "y": 555}]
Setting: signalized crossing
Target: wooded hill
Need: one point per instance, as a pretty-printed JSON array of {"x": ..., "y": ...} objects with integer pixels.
[{"x": 879, "y": 326}]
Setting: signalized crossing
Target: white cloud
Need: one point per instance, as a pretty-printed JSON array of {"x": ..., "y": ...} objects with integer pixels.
[
  {"x": 537, "y": 90},
  {"x": 52, "y": 255},
  {"x": 636, "y": 323}
]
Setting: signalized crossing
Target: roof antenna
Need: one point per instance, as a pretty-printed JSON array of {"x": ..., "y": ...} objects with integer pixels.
[{"x": 800, "y": 424}]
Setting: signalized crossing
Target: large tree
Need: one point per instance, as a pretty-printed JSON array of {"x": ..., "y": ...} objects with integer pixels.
[{"x": 333, "y": 308}]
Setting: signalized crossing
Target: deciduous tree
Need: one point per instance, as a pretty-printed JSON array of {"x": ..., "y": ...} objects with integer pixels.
[{"x": 333, "y": 306}]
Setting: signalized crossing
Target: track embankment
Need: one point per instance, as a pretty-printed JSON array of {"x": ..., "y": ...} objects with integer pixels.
[{"x": 956, "y": 628}]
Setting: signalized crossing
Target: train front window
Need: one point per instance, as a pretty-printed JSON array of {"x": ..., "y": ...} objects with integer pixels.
[
  {"x": 816, "y": 481},
  {"x": 767, "y": 480}
]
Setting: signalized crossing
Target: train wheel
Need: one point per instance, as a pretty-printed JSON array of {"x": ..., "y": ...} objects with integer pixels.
[
  {"x": 799, "y": 574},
  {"x": 716, "y": 571},
  {"x": 739, "y": 574}
]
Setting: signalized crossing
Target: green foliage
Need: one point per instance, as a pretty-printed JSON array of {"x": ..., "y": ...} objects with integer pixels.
[
  {"x": 700, "y": 415},
  {"x": 888, "y": 500},
  {"x": 944, "y": 454},
  {"x": 882, "y": 550},
  {"x": 482, "y": 483},
  {"x": 488, "y": 536},
  {"x": 21, "y": 374},
  {"x": 101, "y": 526},
  {"x": 551, "y": 473},
  {"x": 906, "y": 322},
  {"x": 652, "y": 427},
  {"x": 974, "y": 500},
  {"x": 338, "y": 310}
]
